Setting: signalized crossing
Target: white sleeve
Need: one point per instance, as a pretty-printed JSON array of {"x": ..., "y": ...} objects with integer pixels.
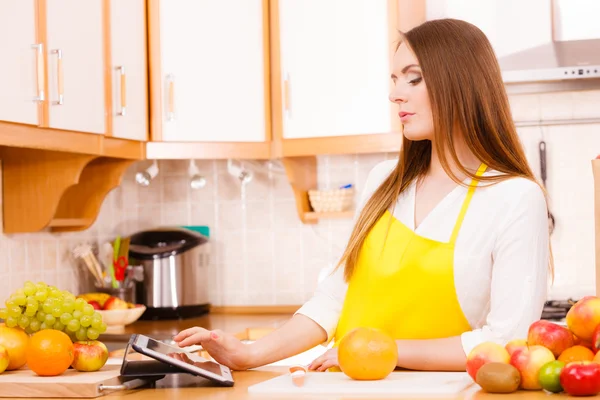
[
  {"x": 519, "y": 273},
  {"x": 325, "y": 306}
]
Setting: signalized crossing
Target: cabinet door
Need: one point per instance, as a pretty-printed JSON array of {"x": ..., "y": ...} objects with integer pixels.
[
  {"x": 213, "y": 70},
  {"x": 128, "y": 69},
  {"x": 19, "y": 71},
  {"x": 76, "y": 65},
  {"x": 335, "y": 67}
]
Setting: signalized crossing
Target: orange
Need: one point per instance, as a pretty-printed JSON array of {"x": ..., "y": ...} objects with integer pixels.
[
  {"x": 576, "y": 353},
  {"x": 50, "y": 352},
  {"x": 15, "y": 341},
  {"x": 367, "y": 354}
]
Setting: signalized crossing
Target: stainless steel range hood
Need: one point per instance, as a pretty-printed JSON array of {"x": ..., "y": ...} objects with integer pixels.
[{"x": 570, "y": 62}]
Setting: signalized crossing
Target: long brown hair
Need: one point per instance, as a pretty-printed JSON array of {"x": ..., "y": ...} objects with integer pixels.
[{"x": 467, "y": 96}]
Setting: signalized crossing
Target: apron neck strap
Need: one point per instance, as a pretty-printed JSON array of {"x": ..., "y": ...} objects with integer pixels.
[{"x": 465, "y": 206}]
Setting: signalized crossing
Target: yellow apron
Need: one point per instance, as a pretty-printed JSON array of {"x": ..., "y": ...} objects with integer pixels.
[{"x": 405, "y": 285}]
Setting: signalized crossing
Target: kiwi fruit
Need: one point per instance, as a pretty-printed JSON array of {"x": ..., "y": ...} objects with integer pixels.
[{"x": 496, "y": 377}]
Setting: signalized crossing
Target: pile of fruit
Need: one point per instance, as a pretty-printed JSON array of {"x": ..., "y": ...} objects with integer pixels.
[
  {"x": 552, "y": 357},
  {"x": 49, "y": 330},
  {"x": 104, "y": 301}
]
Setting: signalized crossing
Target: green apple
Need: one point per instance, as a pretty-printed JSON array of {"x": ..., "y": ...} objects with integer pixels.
[
  {"x": 90, "y": 355},
  {"x": 549, "y": 376}
]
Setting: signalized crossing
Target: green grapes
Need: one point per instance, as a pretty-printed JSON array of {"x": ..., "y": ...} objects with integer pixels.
[{"x": 37, "y": 306}]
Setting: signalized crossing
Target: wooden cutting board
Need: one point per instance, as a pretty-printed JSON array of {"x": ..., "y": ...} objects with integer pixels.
[
  {"x": 397, "y": 383},
  {"x": 25, "y": 383}
]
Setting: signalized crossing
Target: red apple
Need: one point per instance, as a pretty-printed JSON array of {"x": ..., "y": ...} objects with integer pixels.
[
  {"x": 95, "y": 304},
  {"x": 90, "y": 355},
  {"x": 583, "y": 318},
  {"x": 115, "y": 303},
  {"x": 514, "y": 345},
  {"x": 529, "y": 361},
  {"x": 484, "y": 353},
  {"x": 581, "y": 378},
  {"x": 554, "y": 337},
  {"x": 4, "y": 359}
]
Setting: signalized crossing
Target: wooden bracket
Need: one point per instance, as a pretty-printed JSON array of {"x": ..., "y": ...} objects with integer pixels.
[
  {"x": 53, "y": 189},
  {"x": 302, "y": 174},
  {"x": 80, "y": 204}
]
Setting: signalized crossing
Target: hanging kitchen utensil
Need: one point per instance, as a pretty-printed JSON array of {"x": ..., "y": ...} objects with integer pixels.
[{"x": 544, "y": 176}]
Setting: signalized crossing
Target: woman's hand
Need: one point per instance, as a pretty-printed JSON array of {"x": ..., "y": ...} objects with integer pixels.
[
  {"x": 225, "y": 348},
  {"x": 325, "y": 361}
]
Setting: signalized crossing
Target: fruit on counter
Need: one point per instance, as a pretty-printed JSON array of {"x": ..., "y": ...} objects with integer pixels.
[
  {"x": 584, "y": 317},
  {"x": 97, "y": 297},
  {"x": 529, "y": 360},
  {"x": 498, "y": 377},
  {"x": 515, "y": 344},
  {"x": 95, "y": 304},
  {"x": 89, "y": 355},
  {"x": 4, "y": 359},
  {"x": 549, "y": 376},
  {"x": 115, "y": 303},
  {"x": 367, "y": 354},
  {"x": 576, "y": 353},
  {"x": 484, "y": 353},
  {"x": 15, "y": 341},
  {"x": 37, "y": 306},
  {"x": 554, "y": 337},
  {"x": 595, "y": 342},
  {"x": 581, "y": 378},
  {"x": 50, "y": 352}
]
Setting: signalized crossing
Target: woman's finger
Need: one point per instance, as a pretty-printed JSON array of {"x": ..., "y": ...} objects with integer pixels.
[
  {"x": 331, "y": 362},
  {"x": 317, "y": 362},
  {"x": 199, "y": 337},
  {"x": 186, "y": 333}
]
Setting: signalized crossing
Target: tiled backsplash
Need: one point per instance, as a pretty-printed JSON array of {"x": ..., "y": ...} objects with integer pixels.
[{"x": 262, "y": 255}]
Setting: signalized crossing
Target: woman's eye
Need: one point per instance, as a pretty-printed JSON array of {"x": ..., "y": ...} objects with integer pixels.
[{"x": 415, "y": 81}]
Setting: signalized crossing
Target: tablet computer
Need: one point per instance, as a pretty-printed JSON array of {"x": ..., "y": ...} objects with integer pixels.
[{"x": 187, "y": 362}]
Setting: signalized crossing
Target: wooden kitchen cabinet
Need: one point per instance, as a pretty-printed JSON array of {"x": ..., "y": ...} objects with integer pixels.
[
  {"x": 127, "y": 73},
  {"x": 22, "y": 60},
  {"x": 75, "y": 60},
  {"x": 335, "y": 61},
  {"x": 209, "y": 76}
]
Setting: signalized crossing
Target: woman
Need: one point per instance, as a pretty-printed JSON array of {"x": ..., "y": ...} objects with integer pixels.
[{"x": 451, "y": 244}]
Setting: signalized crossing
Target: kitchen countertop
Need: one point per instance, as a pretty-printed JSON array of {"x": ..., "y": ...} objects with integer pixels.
[{"x": 187, "y": 386}]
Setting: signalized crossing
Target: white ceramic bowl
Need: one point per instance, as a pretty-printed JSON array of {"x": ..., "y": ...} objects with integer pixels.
[{"x": 122, "y": 317}]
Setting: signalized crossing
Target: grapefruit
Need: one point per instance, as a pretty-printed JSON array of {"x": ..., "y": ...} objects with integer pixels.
[
  {"x": 15, "y": 341},
  {"x": 367, "y": 354}
]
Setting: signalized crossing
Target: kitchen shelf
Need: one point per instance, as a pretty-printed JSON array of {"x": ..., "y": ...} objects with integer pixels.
[
  {"x": 55, "y": 190},
  {"x": 353, "y": 144},
  {"x": 315, "y": 216},
  {"x": 208, "y": 150}
]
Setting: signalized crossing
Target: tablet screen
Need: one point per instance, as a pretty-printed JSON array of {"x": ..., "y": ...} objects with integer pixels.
[{"x": 181, "y": 355}]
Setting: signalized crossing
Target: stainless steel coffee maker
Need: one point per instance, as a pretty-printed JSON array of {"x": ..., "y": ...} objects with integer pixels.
[{"x": 175, "y": 263}]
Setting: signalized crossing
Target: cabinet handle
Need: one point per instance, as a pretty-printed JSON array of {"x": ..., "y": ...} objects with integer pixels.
[
  {"x": 171, "y": 97},
  {"x": 123, "y": 85},
  {"x": 286, "y": 95},
  {"x": 39, "y": 71},
  {"x": 59, "y": 77}
]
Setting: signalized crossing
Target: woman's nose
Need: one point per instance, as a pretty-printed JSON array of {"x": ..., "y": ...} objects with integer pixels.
[{"x": 396, "y": 96}]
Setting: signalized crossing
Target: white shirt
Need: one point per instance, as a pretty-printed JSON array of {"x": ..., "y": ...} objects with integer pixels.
[{"x": 500, "y": 262}]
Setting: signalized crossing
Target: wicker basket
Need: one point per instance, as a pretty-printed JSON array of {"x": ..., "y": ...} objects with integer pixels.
[{"x": 333, "y": 200}]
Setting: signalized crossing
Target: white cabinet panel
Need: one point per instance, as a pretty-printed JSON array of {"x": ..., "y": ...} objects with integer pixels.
[
  {"x": 128, "y": 69},
  {"x": 212, "y": 70},
  {"x": 76, "y": 65},
  {"x": 335, "y": 67},
  {"x": 18, "y": 74}
]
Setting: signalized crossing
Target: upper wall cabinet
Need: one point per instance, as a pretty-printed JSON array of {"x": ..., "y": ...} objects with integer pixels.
[
  {"x": 335, "y": 59},
  {"x": 128, "y": 66},
  {"x": 22, "y": 77},
  {"x": 497, "y": 19},
  {"x": 209, "y": 70},
  {"x": 75, "y": 59}
]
